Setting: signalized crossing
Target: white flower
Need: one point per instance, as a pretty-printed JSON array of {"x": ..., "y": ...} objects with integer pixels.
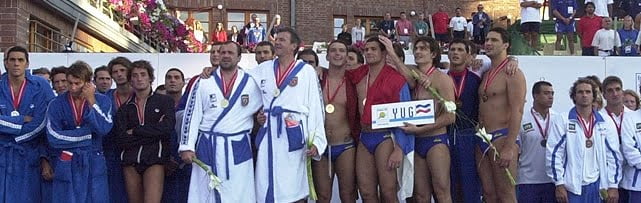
[
  {"x": 487, "y": 138},
  {"x": 450, "y": 106},
  {"x": 212, "y": 183}
]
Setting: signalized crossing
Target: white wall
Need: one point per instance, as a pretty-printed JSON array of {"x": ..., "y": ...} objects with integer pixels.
[{"x": 561, "y": 71}]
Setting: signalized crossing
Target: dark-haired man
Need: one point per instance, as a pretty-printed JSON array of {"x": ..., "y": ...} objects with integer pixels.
[
  {"x": 24, "y": 104},
  {"x": 294, "y": 131}
]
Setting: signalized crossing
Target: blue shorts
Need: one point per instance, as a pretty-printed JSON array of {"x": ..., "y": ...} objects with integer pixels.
[
  {"x": 629, "y": 196},
  {"x": 442, "y": 37},
  {"x": 561, "y": 27},
  {"x": 373, "y": 139},
  {"x": 536, "y": 192},
  {"x": 589, "y": 194},
  {"x": 424, "y": 144},
  {"x": 337, "y": 150},
  {"x": 497, "y": 134}
]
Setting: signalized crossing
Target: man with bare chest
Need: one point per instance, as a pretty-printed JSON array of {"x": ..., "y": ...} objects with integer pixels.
[
  {"x": 378, "y": 156},
  {"x": 341, "y": 128},
  {"x": 432, "y": 165},
  {"x": 500, "y": 112}
]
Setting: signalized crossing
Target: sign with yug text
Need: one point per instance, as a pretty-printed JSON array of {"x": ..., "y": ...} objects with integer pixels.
[{"x": 396, "y": 114}]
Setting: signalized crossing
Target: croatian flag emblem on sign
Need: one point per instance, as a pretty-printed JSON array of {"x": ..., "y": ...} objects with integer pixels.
[{"x": 396, "y": 114}]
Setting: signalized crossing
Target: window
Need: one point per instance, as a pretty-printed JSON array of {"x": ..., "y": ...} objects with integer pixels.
[
  {"x": 43, "y": 38},
  {"x": 370, "y": 23},
  {"x": 338, "y": 25},
  {"x": 241, "y": 18},
  {"x": 202, "y": 17}
]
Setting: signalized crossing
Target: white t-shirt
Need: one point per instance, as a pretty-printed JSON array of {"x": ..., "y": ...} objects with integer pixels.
[
  {"x": 458, "y": 23},
  {"x": 358, "y": 34},
  {"x": 639, "y": 39},
  {"x": 531, "y": 14},
  {"x": 606, "y": 39},
  {"x": 590, "y": 165},
  {"x": 601, "y": 7},
  {"x": 532, "y": 168},
  {"x": 470, "y": 30}
]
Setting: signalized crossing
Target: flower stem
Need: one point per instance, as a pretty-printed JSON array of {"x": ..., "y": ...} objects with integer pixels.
[{"x": 310, "y": 177}]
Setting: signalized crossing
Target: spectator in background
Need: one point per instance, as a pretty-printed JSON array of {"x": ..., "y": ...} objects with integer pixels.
[
  {"x": 102, "y": 79},
  {"x": 277, "y": 26},
  {"x": 219, "y": 35},
  {"x": 387, "y": 25},
  {"x": 354, "y": 58},
  {"x": 234, "y": 35},
  {"x": 358, "y": 32},
  {"x": 564, "y": 11},
  {"x": 420, "y": 26},
  {"x": 628, "y": 37},
  {"x": 606, "y": 41},
  {"x": 264, "y": 52},
  {"x": 602, "y": 8},
  {"x": 531, "y": 21},
  {"x": 632, "y": 8},
  {"x": 457, "y": 25},
  {"x": 470, "y": 28},
  {"x": 482, "y": 25},
  {"x": 42, "y": 72},
  {"x": 631, "y": 100},
  {"x": 588, "y": 25},
  {"x": 440, "y": 20},
  {"x": 59, "y": 79},
  {"x": 256, "y": 33},
  {"x": 161, "y": 89},
  {"x": 345, "y": 36},
  {"x": 245, "y": 31},
  {"x": 404, "y": 29}
]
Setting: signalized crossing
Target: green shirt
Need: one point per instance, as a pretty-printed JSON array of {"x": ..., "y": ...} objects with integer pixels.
[{"x": 420, "y": 27}]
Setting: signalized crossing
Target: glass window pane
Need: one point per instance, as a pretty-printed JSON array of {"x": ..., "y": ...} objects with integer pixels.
[
  {"x": 202, "y": 16},
  {"x": 182, "y": 15},
  {"x": 236, "y": 17},
  {"x": 338, "y": 22},
  {"x": 337, "y": 31},
  {"x": 263, "y": 18},
  {"x": 238, "y": 25},
  {"x": 205, "y": 26}
]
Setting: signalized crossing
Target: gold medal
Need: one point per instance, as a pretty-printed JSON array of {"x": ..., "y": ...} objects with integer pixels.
[
  {"x": 484, "y": 97},
  {"x": 364, "y": 101},
  {"x": 588, "y": 143},
  {"x": 276, "y": 92},
  {"x": 544, "y": 142},
  {"x": 224, "y": 103},
  {"x": 459, "y": 104},
  {"x": 329, "y": 108}
]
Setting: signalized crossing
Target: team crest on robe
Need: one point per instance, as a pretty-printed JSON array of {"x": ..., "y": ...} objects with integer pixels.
[
  {"x": 244, "y": 99},
  {"x": 572, "y": 127},
  {"x": 294, "y": 81},
  {"x": 527, "y": 127}
]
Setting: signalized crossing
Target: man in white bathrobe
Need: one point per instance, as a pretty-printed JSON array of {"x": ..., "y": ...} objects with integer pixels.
[
  {"x": 294, "y": 131},
  {"x": 215, "y": 129}
]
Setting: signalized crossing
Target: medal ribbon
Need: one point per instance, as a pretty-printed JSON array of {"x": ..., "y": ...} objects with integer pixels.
[
  {"x": 459, "y": 87},
  {"x": 618, "y": 126},
  {"x": 544, "y": 132},
  {"x": 587, "y": 131},
  {"x": 428, "y": 73},
  {"x": 227, "y": 87},
  {"x": 77, "y": 115},
  {"x": 281, "y": 77},
  {"x": 118, "y": 101},
  {"x": 331, "y": 97},
  {"x": 141, "y": 112},
  {"x": 493, "y": 74},
  {"x": 17, "y": 99}
]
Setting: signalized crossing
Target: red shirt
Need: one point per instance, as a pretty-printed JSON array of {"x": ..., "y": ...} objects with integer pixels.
[
  {"x": 440, "y": 20},
  {"x": 219, "y": 36},
  {"x": 587, "y": 28},
  {"x": 385, "y": 89},
  {"x": 402, "y": 25}
]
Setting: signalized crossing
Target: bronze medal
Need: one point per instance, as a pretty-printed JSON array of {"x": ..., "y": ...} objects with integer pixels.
[
  {"x": 459, "y": 104},
  {"x": 544, "y": 142},
  {"x": 484, "y": 97},
  {"x": 588, "y": 143}
]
